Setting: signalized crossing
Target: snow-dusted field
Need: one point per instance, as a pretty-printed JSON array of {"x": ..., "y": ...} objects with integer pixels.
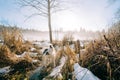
[{"x": 79, "y": 72}]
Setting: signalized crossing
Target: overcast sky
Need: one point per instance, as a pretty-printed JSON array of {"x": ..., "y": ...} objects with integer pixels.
[{"x": 89, "y": 14}]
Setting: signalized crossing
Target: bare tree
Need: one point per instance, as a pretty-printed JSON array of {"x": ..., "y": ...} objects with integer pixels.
[{"x": 43, "y": 8}]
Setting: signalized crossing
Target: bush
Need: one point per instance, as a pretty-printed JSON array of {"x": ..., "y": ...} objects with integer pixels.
[
  {"x": 13, "y": 44},
  {"x": 102, "y": 57},
  {"x": 14, "y": 41},
  {"x": 6, "y": 57}
]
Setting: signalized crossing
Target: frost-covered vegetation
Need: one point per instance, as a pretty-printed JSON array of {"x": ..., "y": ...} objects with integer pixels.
[
  {"x": 37, "y": 60},
  {"x": 102, "y": 56}
]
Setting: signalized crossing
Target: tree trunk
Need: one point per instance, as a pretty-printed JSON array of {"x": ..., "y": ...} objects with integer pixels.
[{"x": 49, "y": 21}]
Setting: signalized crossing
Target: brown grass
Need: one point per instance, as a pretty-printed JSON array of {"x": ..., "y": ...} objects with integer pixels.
[
  {"x": 6, "y": 57},
  {"x": 14, "y": 41},
  {"x": 67, "y": 39},
  {"x": 101, "y": 61},
  {"x": 13, "y": 44},
  {"x": 68, "y": 67}
]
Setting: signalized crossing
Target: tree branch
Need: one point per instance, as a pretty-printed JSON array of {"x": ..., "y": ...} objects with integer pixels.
[{"x": 35, "y": 14}]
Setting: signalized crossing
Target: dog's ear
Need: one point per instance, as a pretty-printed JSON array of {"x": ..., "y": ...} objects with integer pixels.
[
  {"x": 51, "y": 46},
  {"x": 45, "y": 51}
]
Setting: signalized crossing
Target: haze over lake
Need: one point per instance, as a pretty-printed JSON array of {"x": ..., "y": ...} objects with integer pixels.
[{"x": 41, "y": 36}]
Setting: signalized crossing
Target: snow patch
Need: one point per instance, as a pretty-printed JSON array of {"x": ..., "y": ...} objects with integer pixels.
[
  {"x": 56, "y": 71},
  {"x": 31, "y": 54},
  {"x": 22, "y": 55},
  {"x": 83, "y": 73},
  {"x": 32, "y": 49},
  {"x": 34, "y": 61},
  {"x": 5, "y": 70}
]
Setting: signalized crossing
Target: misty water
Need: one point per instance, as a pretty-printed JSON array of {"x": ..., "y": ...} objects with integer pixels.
[{"x": 44, "y": 36}]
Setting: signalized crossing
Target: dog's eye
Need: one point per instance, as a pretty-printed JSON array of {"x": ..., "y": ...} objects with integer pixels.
[{"x": 50, "y": 46}]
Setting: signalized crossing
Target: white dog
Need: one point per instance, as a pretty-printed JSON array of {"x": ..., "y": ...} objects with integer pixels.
[{"x": 50, "y": 51}]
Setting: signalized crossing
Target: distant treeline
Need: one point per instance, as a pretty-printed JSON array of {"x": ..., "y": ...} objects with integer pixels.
[{"x": 15, "y": 27}]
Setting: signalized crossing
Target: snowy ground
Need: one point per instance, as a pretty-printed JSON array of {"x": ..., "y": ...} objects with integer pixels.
[{"x": 79, "y": 72}]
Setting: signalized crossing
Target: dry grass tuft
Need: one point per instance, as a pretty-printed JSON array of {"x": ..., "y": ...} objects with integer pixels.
[
  {"x": 68, "y": 68},
  {"x": 13, "y": 44},
  {"x": 6, "y": 57},
  {"x": 14, "y": 41},
  {"x": 101, "y": 60},
  {"x": 60, "y": 53},
  {"x": 67, "y": 39}
]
